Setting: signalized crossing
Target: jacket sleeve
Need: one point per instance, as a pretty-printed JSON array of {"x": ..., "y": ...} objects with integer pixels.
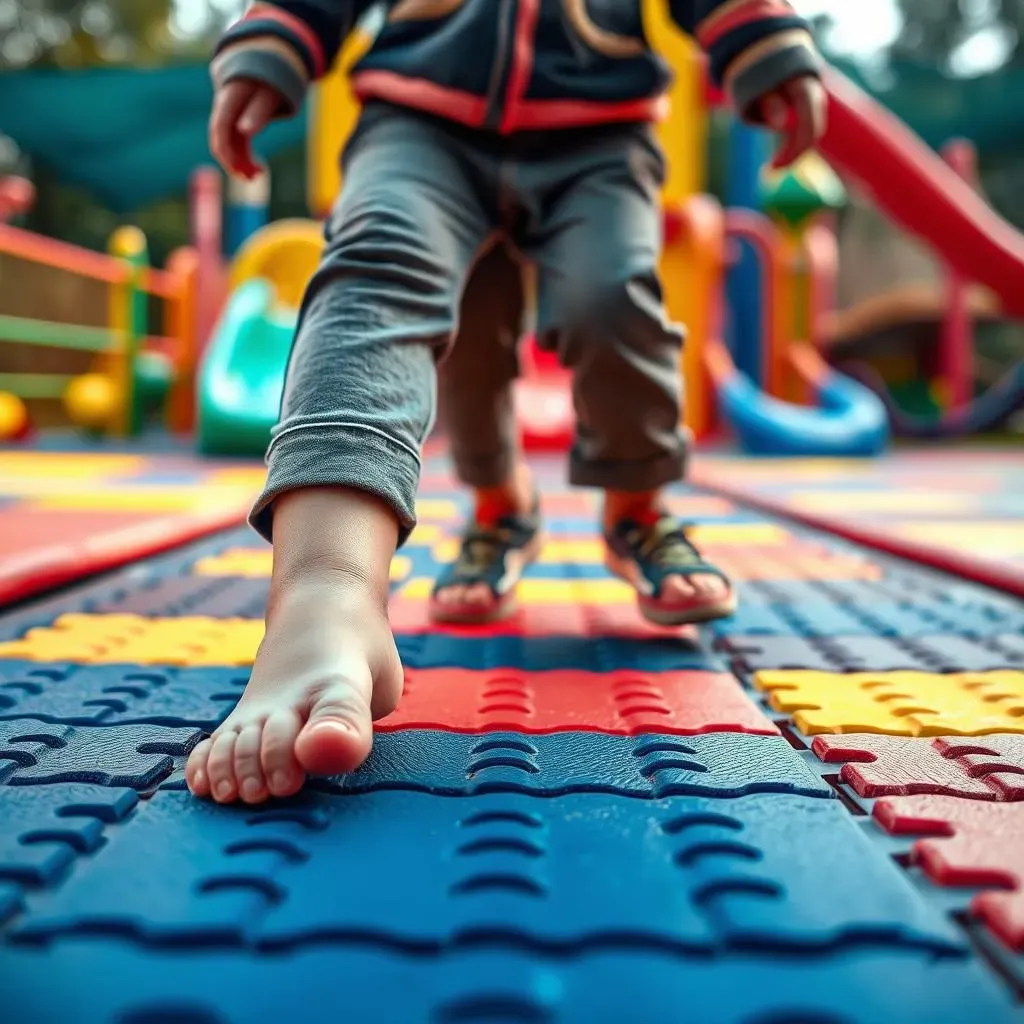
[
  {"x": 753, "y": 46},
  {"x": 286, "y": 44}
]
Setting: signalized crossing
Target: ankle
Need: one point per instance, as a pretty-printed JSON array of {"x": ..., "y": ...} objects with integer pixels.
[
  {"x": 640, "y": 506},
  {"x": 336, "y": 543},
  {"x": 514, "y": 496},
  {"x": 317, "y": 588}
]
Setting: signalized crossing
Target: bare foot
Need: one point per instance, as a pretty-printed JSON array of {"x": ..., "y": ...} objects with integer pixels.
[{"x": 327, "y": 667}]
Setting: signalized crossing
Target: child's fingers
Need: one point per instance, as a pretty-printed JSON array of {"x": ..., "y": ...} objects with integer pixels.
[
  {"x": 779, "y": 116},
  {"x": 806, "y": 120},
  {"x": 786, "y": 127},
  {"x": 805, "y": 132},
  {"x": 228, "y": 104},
  {"x": 259, "y": 111},
  {"x": 261, "y": 106},
  {"x": 775, "y": 112}
]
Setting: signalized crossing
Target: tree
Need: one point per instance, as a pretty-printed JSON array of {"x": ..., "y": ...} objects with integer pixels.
[
  {"x": 87, "y": 33},
  {"x": 80, "y": 34},
  {"x": 961, "y": 35}
]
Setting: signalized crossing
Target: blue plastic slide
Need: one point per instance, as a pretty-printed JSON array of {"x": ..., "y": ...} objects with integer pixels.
[
  {"x": 990, "y": 411},
  {"x": 849, "y": 420}
]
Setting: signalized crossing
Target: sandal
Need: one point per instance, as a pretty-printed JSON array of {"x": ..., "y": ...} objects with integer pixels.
[
  {"x": 645, "y": 555},
  {"x": 496, "y": 556}
]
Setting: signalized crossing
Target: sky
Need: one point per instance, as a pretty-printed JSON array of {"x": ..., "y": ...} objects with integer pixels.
[{"x": 861, "y": 29}]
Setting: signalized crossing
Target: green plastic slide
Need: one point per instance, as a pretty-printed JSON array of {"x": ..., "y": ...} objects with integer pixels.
[{"x": 241, "y": 378}]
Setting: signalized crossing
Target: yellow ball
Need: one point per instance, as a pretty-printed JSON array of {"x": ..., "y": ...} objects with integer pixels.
[
  {"x": 13, "y": 416},
  {"x": 91, "y": 401}
]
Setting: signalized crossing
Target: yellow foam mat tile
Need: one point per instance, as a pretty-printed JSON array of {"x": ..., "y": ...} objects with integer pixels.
[
  {"x": 545, "y": 592},
  {"x": 256, "y": 563},
  {"x": 694, "y": 506},
  {"x": 134, "y": 640},
  {"x": 53, "y": 465},
  {"x": 781, "y": 470},
  {"x": 899, "y": 703},
  {"x": 882, "y": 501},
  {"x": 1004, "y": 537},
  {"x": 142, "y": 499},
  {"x": 251, "y": 478},
  {"x": 438, "y": 509}
]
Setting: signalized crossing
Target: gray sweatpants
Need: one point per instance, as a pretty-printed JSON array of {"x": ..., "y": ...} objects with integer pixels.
[{"x": 421, "y": 200}]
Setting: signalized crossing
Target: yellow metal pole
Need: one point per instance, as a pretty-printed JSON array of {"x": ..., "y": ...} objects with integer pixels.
[
  {"x": 333, "y": 113},
  {"x": 684, "y": 272},
  {"x": 684, "y": 134},
  {"x": 128, "y": 245}
]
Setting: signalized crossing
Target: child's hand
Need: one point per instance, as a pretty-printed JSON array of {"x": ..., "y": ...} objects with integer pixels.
[
  {"x": 241, "y": 110},
  {"x": 797, "y": 112}
]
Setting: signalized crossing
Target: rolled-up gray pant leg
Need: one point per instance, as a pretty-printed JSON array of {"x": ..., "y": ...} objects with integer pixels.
[
  {"x": 475, "y": 380},
  {"x": 596, "y": 237},
  {"x": 360, "y": 390}
]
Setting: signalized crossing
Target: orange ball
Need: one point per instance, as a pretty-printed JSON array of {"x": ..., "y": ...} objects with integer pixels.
[
  {"x": 13, "y": 417},
  {"x": 92, "y": 401}
]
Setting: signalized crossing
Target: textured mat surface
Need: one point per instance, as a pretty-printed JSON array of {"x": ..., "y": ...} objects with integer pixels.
[
  {"x": 67, "y": 515},
  {"x": 961, "y": 511},
  {"x": 810, "y": 811}
]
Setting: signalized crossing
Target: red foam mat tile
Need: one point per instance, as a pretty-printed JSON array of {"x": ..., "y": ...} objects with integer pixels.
[
  {"x": 622, "y": 703},
  {"x": 973, "y": 843},
  {"x": 977, "y": 767},
  {"x": 47, "y": 549},
  {"x": 1008, "y": 579}
]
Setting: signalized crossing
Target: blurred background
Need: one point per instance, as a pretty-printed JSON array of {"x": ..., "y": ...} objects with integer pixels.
[
  {"x": 947, "y": 67},
  {"x": 103, "y": 106}
]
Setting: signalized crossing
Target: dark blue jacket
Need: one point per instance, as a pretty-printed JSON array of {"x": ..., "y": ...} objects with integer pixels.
[{"x": 513, "y": 65}]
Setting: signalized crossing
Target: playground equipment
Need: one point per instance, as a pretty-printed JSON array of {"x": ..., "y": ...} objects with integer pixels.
[
  {"x": 241, "y": 376},
  {"x": 118, "y": 347},
  {"x": 247, "y": 209},
  {"x": 132, "y": 375},
  {"x": 957, "y": 411},
  {"x": 933, "y": 199},
  {"x": 846, "y": 418},
  {"x": 919, "y": 191}
]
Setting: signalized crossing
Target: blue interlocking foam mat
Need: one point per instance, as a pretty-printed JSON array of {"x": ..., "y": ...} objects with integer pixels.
[{"x": 566, "y": 877}]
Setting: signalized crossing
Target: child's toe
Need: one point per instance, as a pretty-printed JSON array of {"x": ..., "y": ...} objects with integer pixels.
[
  {"x": 479, "y": 595},
  {"x": 710, "y": 586},
  {"x": 221, "y": 767},
  {"x": 676, "y": 589},
  {"x": 196, "y": 774},
  {"x": 282, "y": 771},
  {"x": 252, "y": 787},
  {"x": 338, "y": 735}
]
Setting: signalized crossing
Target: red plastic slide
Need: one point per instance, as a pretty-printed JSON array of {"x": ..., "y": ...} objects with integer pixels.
[{"x": 915, "y": 187}]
